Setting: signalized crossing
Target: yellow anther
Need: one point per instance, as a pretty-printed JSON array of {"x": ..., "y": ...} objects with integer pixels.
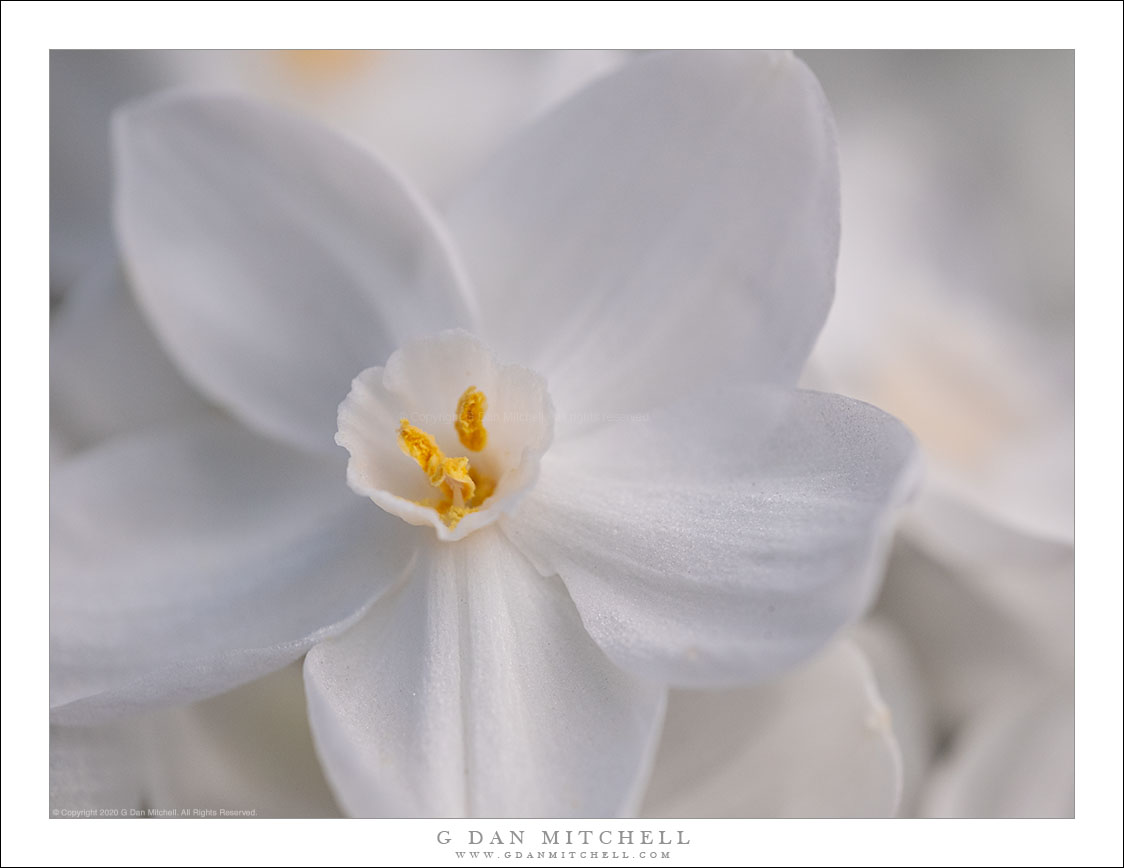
[
  {"x": 423, "y": 449},
  {"x": 470, "y": 419},
  {"x": 461, "y": 487}
]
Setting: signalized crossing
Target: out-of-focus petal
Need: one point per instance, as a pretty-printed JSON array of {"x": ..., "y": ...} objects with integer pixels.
[
  {"x": 109, "y": 374},
  {"x": 85, "y": 88},
  {"x": 1017, "y": 760},
  {"x": 986, "y": 610},
  {"x": 816, "y": 743},
  {"x": 187, "y": 561},
  {"x": 247, "y": 750},
  {"x": 433, "y": 114},
  {"x": 675, "y": 220},
  {"x": 275, "y": 260},
  {"x": 725, "y": 539},
  {"x": 96, "y": 769},
  {"x": 984, "y": 404},
  {"x": 475, "y": 690},
  {"x": 902, "y": 687}
]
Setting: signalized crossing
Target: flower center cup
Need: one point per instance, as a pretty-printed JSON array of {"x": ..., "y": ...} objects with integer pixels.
[
  {"x": 444, "y": 434},
  {"x": 463, "y": 489}
]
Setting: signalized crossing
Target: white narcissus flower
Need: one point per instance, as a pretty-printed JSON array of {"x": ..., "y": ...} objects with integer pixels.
[{"x": 652, "y": 504}]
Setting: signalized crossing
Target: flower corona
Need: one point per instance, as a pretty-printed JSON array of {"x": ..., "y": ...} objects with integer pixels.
[{"x": 462, "y": 488}]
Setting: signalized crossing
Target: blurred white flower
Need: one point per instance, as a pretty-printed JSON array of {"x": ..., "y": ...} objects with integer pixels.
[
  {"x": 662, "y": 248},
  {"x": 955, "y": 313}
]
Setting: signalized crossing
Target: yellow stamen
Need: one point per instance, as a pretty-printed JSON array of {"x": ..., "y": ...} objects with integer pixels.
[
  {"x": 459, "y": 481},
  {"x": 423, "y": 449},
  {"x": 462, "y": 488},
  {"x": 470, "y": 419}
]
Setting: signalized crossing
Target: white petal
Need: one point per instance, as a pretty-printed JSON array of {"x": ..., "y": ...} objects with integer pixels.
[
  {"x": 676, "y": 219},
  {"x": 714, "y": 551},
  {"x": 816, "y": 743},
  {"x": 1015, "y": 761},
  {"x": 186, "y": 562},
  {"x": 422, "y": 382},
  {"x": 96, "y": 768},
  {"x": 984, "y": 406},
  {"x": 249, "y": 749},
  {"x": 903, "y": 688},
  {"x": 275, "y": 260},
  {"x": 109, "y": 374},
  {"x": 433, "y": 114},
  {"x": 985, "y": 609},
  {"x": 86, "y": 86},
  {"x": 474, "y": 690}
]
